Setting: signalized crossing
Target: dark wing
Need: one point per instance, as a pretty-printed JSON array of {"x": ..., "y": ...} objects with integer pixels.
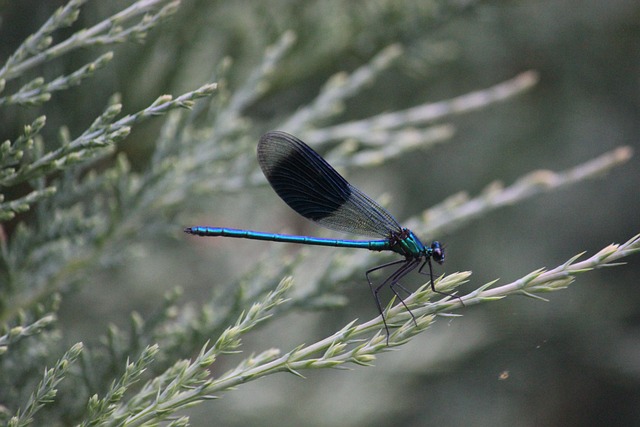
[{"x": 311, "y": 187}]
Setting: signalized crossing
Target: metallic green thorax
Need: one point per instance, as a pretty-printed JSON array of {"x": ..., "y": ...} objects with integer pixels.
[{"x": 408, "y": 244}]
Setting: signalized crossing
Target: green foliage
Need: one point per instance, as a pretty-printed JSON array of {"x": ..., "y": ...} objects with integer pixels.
[{"x": 75, "y": 206}]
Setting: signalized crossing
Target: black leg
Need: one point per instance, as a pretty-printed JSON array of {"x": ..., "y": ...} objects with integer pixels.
[
  {"x": 433, "y": 286},
  {"x": 375, "y": 291},
  {"x": 392, "y": 281}
]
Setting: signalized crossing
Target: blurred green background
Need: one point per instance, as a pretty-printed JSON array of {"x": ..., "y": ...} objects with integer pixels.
[{"x": 574, "y": 361}]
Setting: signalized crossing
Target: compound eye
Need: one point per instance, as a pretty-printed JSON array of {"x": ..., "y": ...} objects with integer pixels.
[{"x": 437, "y": 252}]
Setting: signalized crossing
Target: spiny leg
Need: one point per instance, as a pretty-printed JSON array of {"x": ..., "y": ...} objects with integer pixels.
[
  {"x": 433, "y": 286},
  {"x": 407, "y": 266},
  {"x": 394, "y": 281},
  {"x": 375, "y": 291},
  {"x": 402, "y": 288}
]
